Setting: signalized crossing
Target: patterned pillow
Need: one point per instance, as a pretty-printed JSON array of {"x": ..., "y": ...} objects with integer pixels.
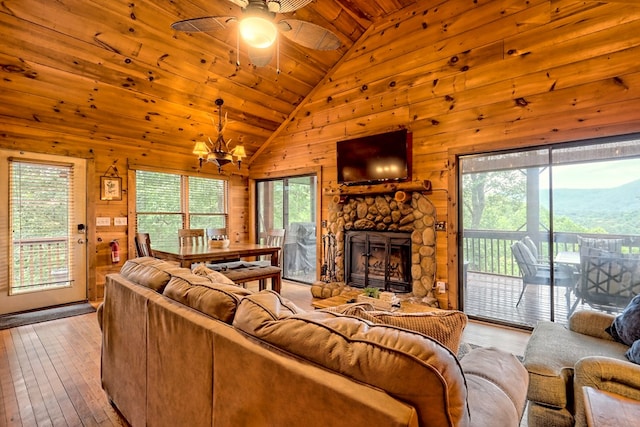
[{"x": 445, "y": 326}]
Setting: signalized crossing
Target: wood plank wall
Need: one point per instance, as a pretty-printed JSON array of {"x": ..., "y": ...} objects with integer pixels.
[{"x": 468, "y": 77}]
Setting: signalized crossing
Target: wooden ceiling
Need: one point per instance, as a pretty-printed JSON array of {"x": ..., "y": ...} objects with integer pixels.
[{"x": 114, "y": 72}]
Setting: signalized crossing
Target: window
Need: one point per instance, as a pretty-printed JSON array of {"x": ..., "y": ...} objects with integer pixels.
[
  {"x": 41, "y": 206},
  {"x": 547, "y": 231},
  {"x": 168, "y": 202}
]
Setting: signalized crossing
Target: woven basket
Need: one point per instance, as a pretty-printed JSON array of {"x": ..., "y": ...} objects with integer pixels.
[{"x": 219, "y": 243}]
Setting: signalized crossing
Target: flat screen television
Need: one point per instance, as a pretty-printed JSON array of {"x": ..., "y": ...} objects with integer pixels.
[{"x": 375, "y": 158}]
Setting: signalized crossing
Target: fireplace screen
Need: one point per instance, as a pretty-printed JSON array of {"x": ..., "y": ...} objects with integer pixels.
[{"x": 379, "y": 260}]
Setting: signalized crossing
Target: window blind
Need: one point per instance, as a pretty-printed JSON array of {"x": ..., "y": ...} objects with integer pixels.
[{"x": 41, "y": 205}]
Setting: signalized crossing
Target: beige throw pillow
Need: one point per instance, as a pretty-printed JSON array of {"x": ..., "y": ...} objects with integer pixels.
[{"x": 445, "y": 326}]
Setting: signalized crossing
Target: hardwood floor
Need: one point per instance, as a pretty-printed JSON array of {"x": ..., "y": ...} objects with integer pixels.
[{"x": 50, "y": 372}]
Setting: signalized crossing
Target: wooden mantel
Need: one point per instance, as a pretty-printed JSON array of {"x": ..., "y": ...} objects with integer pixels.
[{"x": 390, "y": 187}]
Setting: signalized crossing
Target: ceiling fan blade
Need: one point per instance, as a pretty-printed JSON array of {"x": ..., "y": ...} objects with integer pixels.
[
  {"x": 241, "y": 3},
  {"x": 260, "y": 57},
  {"x": 290, "y": 5},
  {"x": 206, "y": 23},
  {"x": 309, "y": 35}
]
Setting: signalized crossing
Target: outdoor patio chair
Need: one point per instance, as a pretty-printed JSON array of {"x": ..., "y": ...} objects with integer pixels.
[
  {"x": 609, "y": 280},
  {"x": 534, "y": 273}
]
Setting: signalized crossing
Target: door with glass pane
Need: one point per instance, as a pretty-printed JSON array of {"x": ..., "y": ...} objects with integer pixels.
[
  {"x": 290, "y": 203},
  {"x": 549, "y": 231},
  {"x": 43, "y": 231}
]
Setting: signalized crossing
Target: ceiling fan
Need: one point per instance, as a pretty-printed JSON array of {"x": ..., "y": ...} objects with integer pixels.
[{"x": 258, "y": 28}]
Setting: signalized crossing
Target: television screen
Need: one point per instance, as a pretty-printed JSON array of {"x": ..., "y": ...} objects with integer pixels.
[{"x": 375, "y": 158}]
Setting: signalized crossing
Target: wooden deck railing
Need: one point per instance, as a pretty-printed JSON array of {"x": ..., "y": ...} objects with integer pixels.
[
  {"x": 489, "y": 251},
  {"x": 40, "y": 263}
]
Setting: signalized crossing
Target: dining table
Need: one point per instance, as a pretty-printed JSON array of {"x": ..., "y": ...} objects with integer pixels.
[{"x": 187, "y": 255}]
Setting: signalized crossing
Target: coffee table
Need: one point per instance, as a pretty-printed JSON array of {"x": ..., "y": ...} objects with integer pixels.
[{"x": 347, "y": 295}]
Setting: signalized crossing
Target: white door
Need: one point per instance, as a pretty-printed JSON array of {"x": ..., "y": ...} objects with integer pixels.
[{"x": 43, "y": 260}]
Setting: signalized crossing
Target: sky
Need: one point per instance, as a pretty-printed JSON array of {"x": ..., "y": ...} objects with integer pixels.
[{"x": 595, "y": 175}]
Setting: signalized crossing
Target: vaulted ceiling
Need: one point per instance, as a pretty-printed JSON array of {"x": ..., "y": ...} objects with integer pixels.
[{"x": 115, "y": 72}]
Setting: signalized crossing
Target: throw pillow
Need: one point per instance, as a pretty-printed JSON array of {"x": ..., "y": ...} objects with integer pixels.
[
  {"x": 445, "y": 326},
  {"x": 217, "y": 300},
  {"x": 626, "y": 327},
  {"x": 633, "y": 354},
  {"x": 212, "y": 275}
]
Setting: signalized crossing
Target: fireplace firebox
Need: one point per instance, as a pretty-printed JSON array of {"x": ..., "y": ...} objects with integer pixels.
[{"x": 378, "y": 260}]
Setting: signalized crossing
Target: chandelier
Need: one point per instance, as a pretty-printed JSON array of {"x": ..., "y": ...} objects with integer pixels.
[{"x": 218, "y": 152}]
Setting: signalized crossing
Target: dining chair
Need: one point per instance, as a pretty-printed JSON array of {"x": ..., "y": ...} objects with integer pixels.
[
  {"x": 143, "y": 244},
  {"x": 274, "y": 237},
  {"x": 213, "y": 233},
  {"x": 191, "y": 236}
]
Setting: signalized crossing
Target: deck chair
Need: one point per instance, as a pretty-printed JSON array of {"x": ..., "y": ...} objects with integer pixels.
[
  {"x": 143, "y": 244},
  {"x": 534, "y": 273},
  {"x": 191, "y": 236},
  {"x": 608, "y": 280}
]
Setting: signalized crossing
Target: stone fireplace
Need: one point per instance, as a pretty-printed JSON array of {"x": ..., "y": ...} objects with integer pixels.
[{"x": 408, "y": 216}]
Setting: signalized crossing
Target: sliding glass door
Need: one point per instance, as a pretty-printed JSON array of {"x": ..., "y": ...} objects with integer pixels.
[
  {"x": 548, "y": 231},
  {"x": 290, "y": 203}
]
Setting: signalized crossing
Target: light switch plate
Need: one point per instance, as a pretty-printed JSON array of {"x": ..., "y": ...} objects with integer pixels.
[
  {"x": 103, "y": 221},
  {"x": 120, "y": 220}
]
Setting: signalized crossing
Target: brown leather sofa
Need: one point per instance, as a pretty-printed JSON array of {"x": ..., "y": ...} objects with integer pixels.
[{"x": 179, "y": 350}]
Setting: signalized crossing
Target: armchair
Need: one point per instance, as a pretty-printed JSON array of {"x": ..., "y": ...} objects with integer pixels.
[{"x": 561, "y": 360}]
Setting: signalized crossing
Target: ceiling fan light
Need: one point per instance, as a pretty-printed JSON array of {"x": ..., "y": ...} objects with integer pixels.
[{"x": 258, "y": 31}]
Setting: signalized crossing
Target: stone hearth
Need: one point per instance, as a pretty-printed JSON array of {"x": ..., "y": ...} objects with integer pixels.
[{"x": 406, "y": 212}]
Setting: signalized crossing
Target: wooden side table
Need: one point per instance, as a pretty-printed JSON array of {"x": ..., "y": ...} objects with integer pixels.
[{"x": 605, "y": 409}]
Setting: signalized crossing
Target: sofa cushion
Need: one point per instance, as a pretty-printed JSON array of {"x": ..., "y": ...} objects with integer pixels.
[
  {"x": 446, "y": 326},
  {"x": 219, "y": 301},
  {"x": 150, "y": 272},
  {"x": 213, "y": 275},
  {"x": 409, "y": 366}
]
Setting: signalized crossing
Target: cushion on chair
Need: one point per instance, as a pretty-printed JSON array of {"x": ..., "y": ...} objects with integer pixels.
[
  {"x": 611, "y": 245},
  {"x": 531, "y": 246},
  {"x": 522, "y": 252}
]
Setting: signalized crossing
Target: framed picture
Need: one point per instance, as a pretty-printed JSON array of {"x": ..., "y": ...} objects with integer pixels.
[{"x": 110, "y": 188}]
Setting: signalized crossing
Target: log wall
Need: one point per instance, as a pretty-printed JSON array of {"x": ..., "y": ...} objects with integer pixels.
[{"x": 468, "y": 77}]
